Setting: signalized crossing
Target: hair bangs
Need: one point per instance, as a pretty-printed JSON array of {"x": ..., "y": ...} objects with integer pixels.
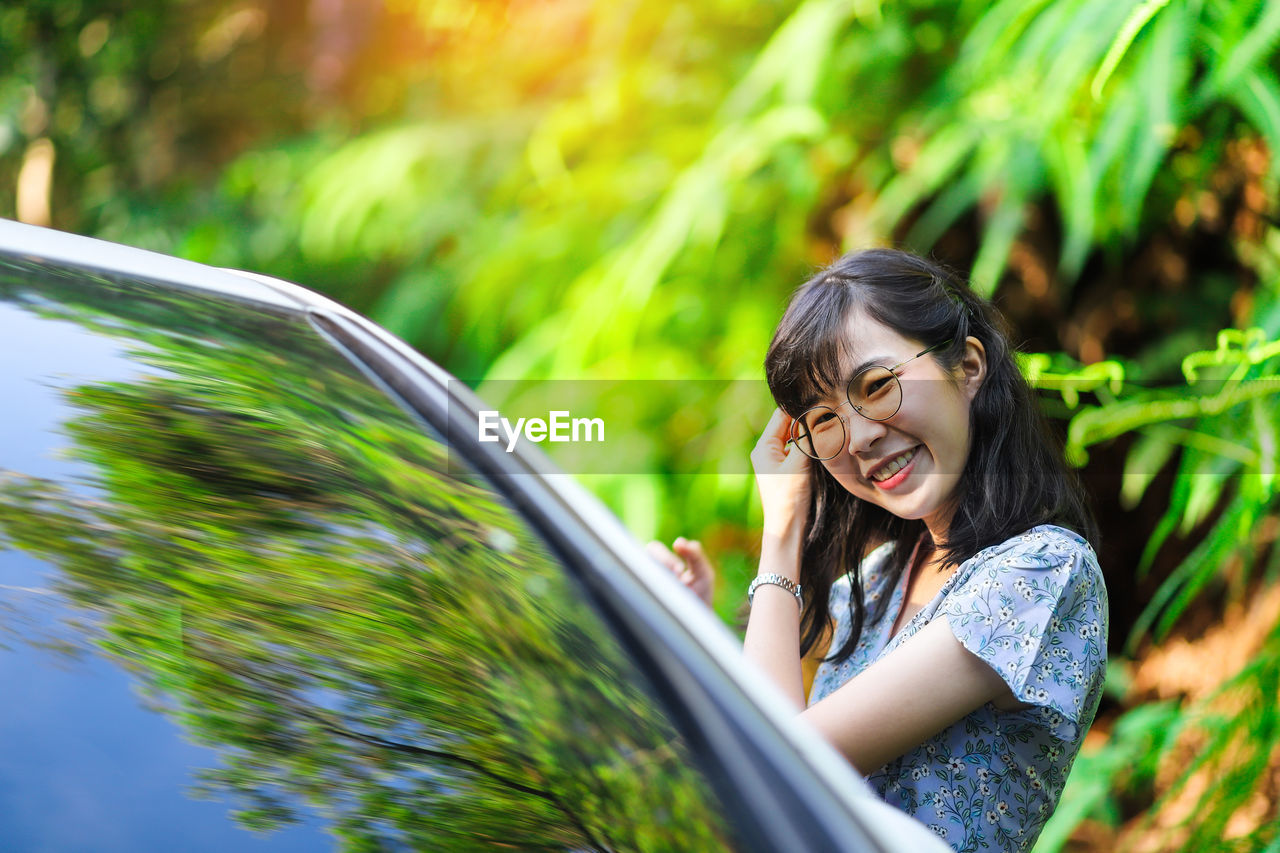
[{"x": 807, "y": 357}]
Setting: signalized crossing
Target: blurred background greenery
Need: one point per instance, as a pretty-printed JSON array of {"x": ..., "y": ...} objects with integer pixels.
[{"x": 569, "y": 189}]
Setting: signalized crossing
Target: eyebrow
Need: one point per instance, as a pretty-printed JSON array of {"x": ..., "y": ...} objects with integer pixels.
[{"x": 874, "y": 361}]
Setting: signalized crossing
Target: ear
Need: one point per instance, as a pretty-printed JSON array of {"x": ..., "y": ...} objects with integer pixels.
[{"x": 972, "y": 369}]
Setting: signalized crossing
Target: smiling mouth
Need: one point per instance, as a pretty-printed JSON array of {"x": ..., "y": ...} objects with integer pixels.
[{"x": 895, "y": 465}]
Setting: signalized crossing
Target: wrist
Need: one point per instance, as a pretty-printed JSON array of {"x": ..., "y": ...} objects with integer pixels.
[{"x": 780, "y": 554}]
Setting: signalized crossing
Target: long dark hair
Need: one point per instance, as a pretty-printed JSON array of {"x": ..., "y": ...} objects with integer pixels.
[{"x": 1014, "y": 478}]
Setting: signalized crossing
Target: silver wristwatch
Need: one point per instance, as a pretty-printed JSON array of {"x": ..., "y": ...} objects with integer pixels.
[{"x": 777, "y": 580}]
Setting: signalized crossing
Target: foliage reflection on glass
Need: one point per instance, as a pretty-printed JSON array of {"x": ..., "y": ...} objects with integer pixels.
[{"x": 274, "y": 549}]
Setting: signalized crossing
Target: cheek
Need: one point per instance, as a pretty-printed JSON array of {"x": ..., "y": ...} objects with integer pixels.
[
  {"x": 957, "y": 450},
  {"x": 943, "y": 424}
]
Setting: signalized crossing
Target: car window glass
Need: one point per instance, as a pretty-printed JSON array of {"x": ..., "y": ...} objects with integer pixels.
[{"x": 234, "y": 573}]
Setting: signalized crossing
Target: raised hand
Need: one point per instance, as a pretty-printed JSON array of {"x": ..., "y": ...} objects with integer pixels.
[
  {"x": 782, "y": 478},
  {"x": 690, "y": 565}
]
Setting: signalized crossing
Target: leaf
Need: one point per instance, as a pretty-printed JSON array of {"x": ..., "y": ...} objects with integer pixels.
[
  {"x": 1132, "y": 26},
  {"x": 948, "y": 206},
  {"x": 1202, "y": 565},
  {"x": 940, "y": 157},
  {"x": 1250, "y": 53},
  {"x": 790, "y": 63},
  {"x": 993, "y": 37},
  {"x": 1109, "y": 147},
  {"x": 1209, "y": 475},
  {"x": 1162, "y": 74},
  {"x": 1147, "y": 456},
  {"x": 1023, "y": 178},
  {"x": 997, "y": 240},
  {"x": 1075, "y": 187},
  {"x": 411, "y": 307},
  {"x": 1266, "y": 427}
]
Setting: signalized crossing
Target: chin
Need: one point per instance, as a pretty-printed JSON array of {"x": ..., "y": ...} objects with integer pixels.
[{"x": 908, "y": 507}]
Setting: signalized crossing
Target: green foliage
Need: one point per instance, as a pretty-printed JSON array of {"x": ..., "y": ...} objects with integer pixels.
[
  {"x": 1085, "y": 102},
  {"x": 1222, "y": 428}
]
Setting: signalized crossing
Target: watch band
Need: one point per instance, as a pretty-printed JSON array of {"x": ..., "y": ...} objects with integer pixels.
[{"x": 777, "y": 580}]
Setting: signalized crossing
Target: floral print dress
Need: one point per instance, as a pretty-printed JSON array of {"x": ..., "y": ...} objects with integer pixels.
[{"x": 1034, "y": 608}]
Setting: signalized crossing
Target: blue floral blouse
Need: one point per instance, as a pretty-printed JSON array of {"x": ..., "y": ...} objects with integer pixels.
[{"x": 1034, "y": 607}]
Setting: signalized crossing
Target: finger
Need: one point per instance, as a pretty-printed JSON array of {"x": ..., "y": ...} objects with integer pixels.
[
  {"x": 772, "y": 448},
  {"x": 664, "y": 556},
  {"x": 795, "y": 462},
  {"x": 691, "y": 551},
  {"x": 783, "y": 430}
]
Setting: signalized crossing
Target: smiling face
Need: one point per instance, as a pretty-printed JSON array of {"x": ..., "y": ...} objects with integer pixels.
[{"x": 909, "y": 464}]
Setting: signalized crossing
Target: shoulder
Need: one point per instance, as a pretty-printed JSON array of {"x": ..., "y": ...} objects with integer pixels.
[
  {"x": 1050, "y": 538},
  {"x": 1046, "y": 546},
  {"x": 1046, "y": 563},
  {"x": 1042, "y": 538},
  {"x": 1034, "y": 608}
]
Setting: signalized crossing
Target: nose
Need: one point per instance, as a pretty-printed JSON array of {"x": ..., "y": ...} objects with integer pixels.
[{"x": 863, "y": 432}]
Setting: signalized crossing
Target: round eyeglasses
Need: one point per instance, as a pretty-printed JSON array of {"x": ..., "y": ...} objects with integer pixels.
[{"x": 874, "y": 393}]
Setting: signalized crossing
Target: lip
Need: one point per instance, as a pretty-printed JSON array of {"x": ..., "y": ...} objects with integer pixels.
[{"x": 898, "y": 478}]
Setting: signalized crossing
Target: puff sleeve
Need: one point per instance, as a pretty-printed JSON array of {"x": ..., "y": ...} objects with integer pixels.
[{"x": 1037, "y": 614}]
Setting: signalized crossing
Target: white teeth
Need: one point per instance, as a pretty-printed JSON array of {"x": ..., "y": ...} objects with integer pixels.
[{"x": 894, "y": 467}]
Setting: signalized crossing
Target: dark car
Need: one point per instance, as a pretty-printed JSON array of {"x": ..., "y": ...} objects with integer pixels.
[{"x": 262, "y": 588}]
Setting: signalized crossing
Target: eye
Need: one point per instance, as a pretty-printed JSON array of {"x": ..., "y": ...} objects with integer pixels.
[
  {"x": 819, "y": 420},
  {"x": 874, "y": 382},
  {"x": 875, "y": 386}
]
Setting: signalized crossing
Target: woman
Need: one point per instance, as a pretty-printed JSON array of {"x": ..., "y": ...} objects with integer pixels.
[{"x": 918, "y": 510}]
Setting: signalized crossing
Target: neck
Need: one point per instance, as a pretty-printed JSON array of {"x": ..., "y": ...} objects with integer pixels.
[
  {"x": 926, "y": 552},
  {"x": 938, "y": 524}
]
